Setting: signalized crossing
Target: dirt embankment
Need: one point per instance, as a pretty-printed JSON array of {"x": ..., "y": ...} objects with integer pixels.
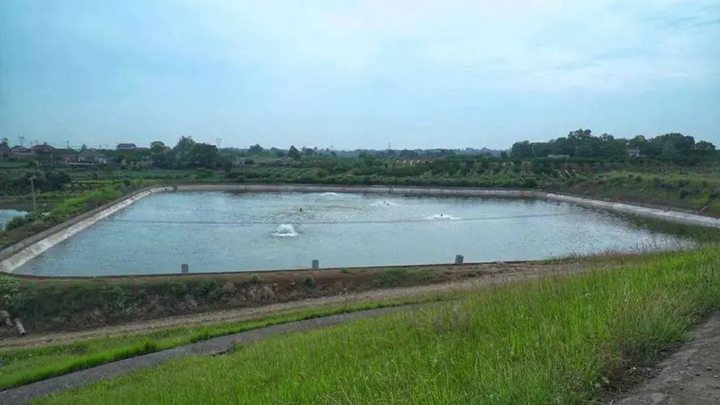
[
  {"x": 465, "y": 278},
  {"x": 46, "y": 304},
  {"x": 56, "y": 305}
]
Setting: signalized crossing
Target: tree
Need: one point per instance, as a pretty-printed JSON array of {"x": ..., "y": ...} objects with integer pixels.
[
  {"x": 187, "y": 153},
  {"x": 579, "y": 134},
  {"x": 256, "y": 149},
  {"x": 704, "y": 146},
  {"x": 522, "y": 150},
  {"x": 157, "y": 146},
  {"x": 294, "y": 153},
  {"x": 182, "y": 151},
  {"x": 205, "y": 155},
  {"x": 674, "y": 145},
  {"x": 185, "y": 143},
  {"x": 57, "y": 179},
  {"x": 367, "y": 158},
  {"x": 4, "y": 147}
]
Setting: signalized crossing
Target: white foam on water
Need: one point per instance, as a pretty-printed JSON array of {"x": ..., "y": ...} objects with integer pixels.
[
  {"x": 285, "y": 230},
  {"x": 441, "y": 217},
  {"x": 330, "y": 194}
]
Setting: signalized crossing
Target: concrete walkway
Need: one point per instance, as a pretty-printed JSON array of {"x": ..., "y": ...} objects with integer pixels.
[
  {"x": 690, "y": 376},
  {"x": 218, "y": 345}
]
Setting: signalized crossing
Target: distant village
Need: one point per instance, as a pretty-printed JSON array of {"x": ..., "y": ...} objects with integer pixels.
[
  {"x": 123, "y": 153},
  {"x": 138, "y": 156}
]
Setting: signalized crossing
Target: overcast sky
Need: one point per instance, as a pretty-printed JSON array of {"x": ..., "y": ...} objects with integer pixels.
[{"x": 357, "y": 74}]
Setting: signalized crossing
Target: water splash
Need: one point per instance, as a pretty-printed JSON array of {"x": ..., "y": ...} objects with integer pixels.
[
  {"x": 285, "y": 230},
  {"x": 330, "y": 194},
  {"x": 441, "y": 217}
]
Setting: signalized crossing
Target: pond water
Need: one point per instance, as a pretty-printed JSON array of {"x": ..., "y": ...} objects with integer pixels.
[
  {"x": 216, "y": 231},
  {"x": 7, "y": 215}
]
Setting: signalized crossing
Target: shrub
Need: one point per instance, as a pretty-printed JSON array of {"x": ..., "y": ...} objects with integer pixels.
[
  {"x": 309, "y": 282},
  {"x": 19, "y": 222},
  {"x": 530, "y": 183},
  {"x": 9, "y": 290}
]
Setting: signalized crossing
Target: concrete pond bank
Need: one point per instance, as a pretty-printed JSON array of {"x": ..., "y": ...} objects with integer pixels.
[
  {"x": 20, "y": 253},
  {"x": 15, "y": 256}
]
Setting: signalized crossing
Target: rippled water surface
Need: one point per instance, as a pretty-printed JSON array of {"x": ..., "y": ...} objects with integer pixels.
[{"x": 215, "y": 231}]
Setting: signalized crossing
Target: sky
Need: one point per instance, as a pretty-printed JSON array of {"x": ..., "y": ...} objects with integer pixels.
[{"x": 356, "y": 74}]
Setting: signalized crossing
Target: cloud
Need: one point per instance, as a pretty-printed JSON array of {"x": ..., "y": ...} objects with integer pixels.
[
  {"x": 531, "y": 44},
  {"x": 386, "y": 66}
]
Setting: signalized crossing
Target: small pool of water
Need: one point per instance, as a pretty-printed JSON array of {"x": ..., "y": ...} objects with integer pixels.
[
  {"x": 6, "y": 215},
  {"x": 216, "y": 231}
]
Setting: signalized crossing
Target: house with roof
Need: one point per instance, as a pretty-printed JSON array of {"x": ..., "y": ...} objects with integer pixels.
[
  {"x": 126, "y": 146},
  {"x": 92, "y": 156},
  {"x": 20, "y": 151},
  {"x": 44, "y": 148}
]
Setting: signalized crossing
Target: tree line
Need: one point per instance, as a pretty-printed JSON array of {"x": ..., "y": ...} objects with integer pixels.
[{"x": 582, "y": 143}]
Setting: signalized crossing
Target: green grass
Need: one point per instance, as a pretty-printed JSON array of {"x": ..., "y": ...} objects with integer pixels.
[
  {"x": 556, "y": 340},
  {"x": 403, "y": 276},
  {"x": 22, "y": 366}
]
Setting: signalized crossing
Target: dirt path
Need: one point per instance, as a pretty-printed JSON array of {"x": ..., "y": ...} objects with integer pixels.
[
  {"x": 508, "y": 273},
  {"x": 26, "y": 393},
  {"x": 690, "y": 376}
]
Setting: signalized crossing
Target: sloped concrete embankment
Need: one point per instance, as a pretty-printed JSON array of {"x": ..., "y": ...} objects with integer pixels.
[{"x": 20, "y": 253}]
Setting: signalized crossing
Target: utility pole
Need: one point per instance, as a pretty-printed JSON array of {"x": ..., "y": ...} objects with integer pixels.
[{"x": 32, "y": 189}]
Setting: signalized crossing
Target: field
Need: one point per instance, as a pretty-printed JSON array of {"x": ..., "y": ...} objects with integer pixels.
[{"x": 558, "y": 340}]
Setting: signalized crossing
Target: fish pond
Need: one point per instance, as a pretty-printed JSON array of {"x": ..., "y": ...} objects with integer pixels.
[{"x": 222, "y": 231}]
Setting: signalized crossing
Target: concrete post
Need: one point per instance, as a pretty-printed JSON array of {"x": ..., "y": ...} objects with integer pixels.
[
  {"x": 185, "y": 268},
  {"x": 20, "y": 327},
  {"x": 316, "y": 264},
  {"x": 459, "y": 259}
]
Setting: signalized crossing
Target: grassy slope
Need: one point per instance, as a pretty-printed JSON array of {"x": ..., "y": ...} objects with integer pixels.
[
  {"x": 22, "y": 366},
  {"x": 553, "y": 340},
  {"x": 684, "y": 189}
]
